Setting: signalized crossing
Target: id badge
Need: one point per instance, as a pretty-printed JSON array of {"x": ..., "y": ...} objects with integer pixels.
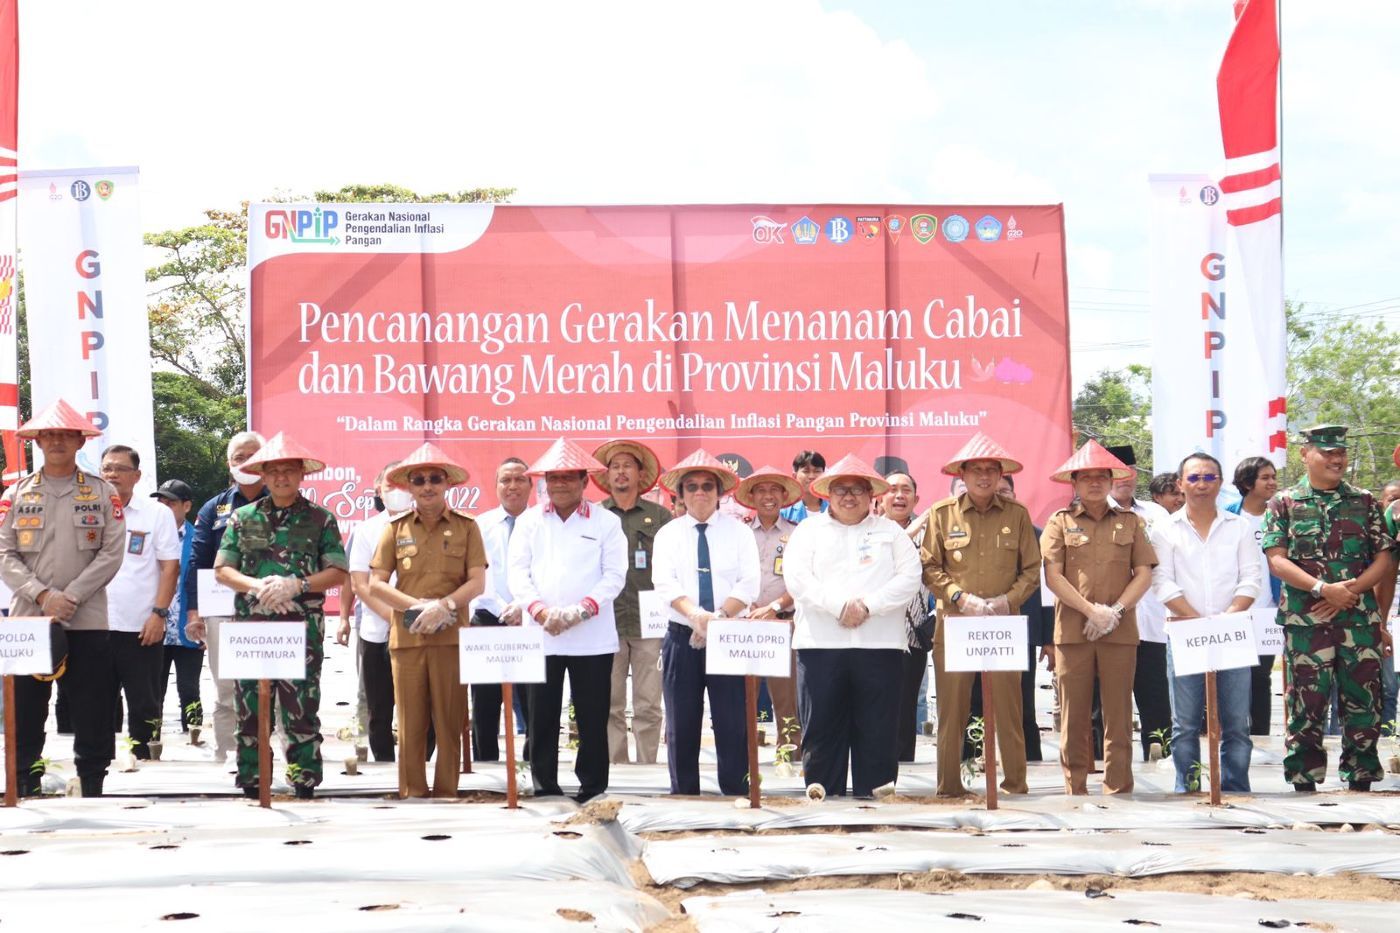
[
  {"x": 639, "y": 559},
  {"x": 778, "y": 566},
  {"x": 136, "y": 544}
]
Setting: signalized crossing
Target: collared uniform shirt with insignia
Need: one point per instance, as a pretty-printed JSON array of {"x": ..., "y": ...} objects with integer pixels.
[
  {"x": 1097, "y": 557},
  {"x": 986, "y": 553},
  {"x": 431, "y": 563},
  {"x": 640, "y": 524},
  {"x": 263, "y": 540},
  {"x": 66, "y": 534},
  {"x": 772, "y": 544}
]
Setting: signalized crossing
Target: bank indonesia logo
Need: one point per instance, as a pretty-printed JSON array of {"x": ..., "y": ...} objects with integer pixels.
[
  {"x": 838, "y": 230},
  {"x": 805, "y": 231},
  {"x": 80, "y": 190},
  {"x": 1210, "y": 195},
  {"x": 989, "y": 229},
  {"x": 956, "y": 228},
  {"x": 766, "y": 229}
]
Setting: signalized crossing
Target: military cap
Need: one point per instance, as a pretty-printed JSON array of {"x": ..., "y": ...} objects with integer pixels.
[{"x": 1325, "y": 437}]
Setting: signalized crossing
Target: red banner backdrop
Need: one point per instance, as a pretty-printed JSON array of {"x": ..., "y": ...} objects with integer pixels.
[{"x": 894, "y": 332}]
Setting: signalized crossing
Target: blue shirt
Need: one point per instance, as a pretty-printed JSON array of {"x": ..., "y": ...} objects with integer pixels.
[
  {"x": 208, "y": 532},
  {"x": 798, "y": 511},
  {"x": 175, "y": 624}
]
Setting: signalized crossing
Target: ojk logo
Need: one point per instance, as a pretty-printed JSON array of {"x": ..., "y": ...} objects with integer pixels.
[{"x": 302, "y": 226}]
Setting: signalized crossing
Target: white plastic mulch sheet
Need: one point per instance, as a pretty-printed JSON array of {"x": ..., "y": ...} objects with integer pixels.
[
  {"x": 640, "y": 815},
  {"x": 1023, "y": 910},
  {"x": 738, "y": 860},
  {"x": 488, "y": 906}
]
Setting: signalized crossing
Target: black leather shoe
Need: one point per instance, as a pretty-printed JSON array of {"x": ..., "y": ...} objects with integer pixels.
[
  {"x": 1359, "y": 786},
  {"x": 305, "y": 791},
  {"x": 251, "y": 792},
  {"x": 92, "y": 786},
  {"x": 1306, "y": 788}
]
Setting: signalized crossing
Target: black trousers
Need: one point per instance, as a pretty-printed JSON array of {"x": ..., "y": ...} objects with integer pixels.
[
  {"x": 848, "y": 699},
  {"x": 590, "y": 686},
  {"x": 188, "y": 662},
  {"x": 486, "y": 710},
  {"x": 914, "y": 665},
  {"x": 378, "y": 676},
  {"x": 684, "y": 685},
  {"x": 1152, "y": 693},
  {"x": 90, "y": 681},
  {"x": 136, "y": 668},
  {"x": 1261, "y": 695}
]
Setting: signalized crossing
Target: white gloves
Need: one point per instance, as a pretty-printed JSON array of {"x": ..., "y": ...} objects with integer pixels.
[
  {"x": 432, "y": 617},
  {"x": 972, "y": 605},
  {"x": 1100, "y": 621},
  {"x": 276, "y": 594},
  {"x": 999, "y": 606},
  {"x": 558, "y": 620},
  {"x": 511, "y": 614},
  {"x": 700, "y": 621}
]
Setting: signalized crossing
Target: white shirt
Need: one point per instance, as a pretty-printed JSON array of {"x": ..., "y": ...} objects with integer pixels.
[
  {"x": 1256, "y": 528},
  {"x": 1210, "y": 573},
  {"x": 151, "y": 536},
  {"x": 827, "y": 564},
  {"x": 363, "y": 540},
  {"x": 1151, "y": 614},
  {"x": 496, "y": 535},
  {"x": 675, "y": 558},
  {"x": 558, "y": 563}
]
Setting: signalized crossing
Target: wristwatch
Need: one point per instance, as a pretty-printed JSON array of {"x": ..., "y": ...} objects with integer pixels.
[
  {"x": 777, "y": 606},
  {"x": 957, "y": 597},
  {"x": 162, "y": 613},
  {"x": 305, "y": 586},
  {"x": 1317, "y": 588}
]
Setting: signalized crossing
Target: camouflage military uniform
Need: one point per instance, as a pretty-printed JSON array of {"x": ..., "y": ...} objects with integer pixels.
[
  {"x": 1333, "y": 535},
  {"x": 263, "y": 540}
]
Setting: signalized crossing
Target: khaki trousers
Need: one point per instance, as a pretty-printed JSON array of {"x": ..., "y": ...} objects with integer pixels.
[
  {"x": 427, "y": 689},
  {"x": 954, "y": 689},
  {"x": 1075, "y": 668},
  {"x": 225, "y": 716},
  {"x": 643, "y": 657},
  {"x": 783, "y": 692}
]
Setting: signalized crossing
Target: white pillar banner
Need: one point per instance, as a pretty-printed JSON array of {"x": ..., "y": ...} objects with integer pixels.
[
  {"x": 85, "y": 291},
  {"x": 1187, "y": 279}
]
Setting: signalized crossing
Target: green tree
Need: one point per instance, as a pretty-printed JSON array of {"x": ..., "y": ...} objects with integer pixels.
[
  {"x": 1114, "y": 408},
  {"x": 197, "y": 307}
]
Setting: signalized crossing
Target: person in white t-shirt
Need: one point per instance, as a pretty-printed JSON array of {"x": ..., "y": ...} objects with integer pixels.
[
  {"x": 372, "y": 621},
  {"x": 1256, "y": 478},
  {"x": 139, "y": 596}
]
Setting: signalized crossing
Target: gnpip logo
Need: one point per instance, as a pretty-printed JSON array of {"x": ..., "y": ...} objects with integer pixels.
[{"x": 303, "y": 226}]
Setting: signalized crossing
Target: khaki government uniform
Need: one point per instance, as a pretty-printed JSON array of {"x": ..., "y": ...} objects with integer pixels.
[
  {"x": 988, "y": 553},
  {"x": 1097, "y": 557},
  {"x": 431, "y": 563},
  {"x": 772, "y": 542}
]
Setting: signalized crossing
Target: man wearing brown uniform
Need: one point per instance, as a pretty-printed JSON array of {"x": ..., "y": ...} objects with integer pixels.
[
  {"x": 440, "y": 561},
  {"x": 980, "y": 558},
  {"x": 1098, "y": 563}
]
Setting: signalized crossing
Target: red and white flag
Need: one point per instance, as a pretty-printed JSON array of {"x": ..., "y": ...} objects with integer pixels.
[
  {"x": 1253, "y": 378},
  {"x": 9, "y": 269}
]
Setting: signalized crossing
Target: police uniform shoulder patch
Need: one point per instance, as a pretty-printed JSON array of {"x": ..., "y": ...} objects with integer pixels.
[
  {"x": 116, "y": 509},
  {"x": 5, "y": 505}
]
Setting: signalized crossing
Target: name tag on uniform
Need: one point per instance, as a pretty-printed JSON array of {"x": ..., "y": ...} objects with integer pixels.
[
  {"x": 639, "y": 559},
  {"x": 136, "y": 543}
]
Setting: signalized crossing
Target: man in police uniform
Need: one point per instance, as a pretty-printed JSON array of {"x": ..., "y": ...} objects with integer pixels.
[
  {"x": 209, "y": 527},
  {"x": 280, "y": 555},
  {"x": 632, "y": 471},
  {"x": 62, "y": 538},
  {"x": 440, "y": 559},
  {"x": 1327, "y": 542},
  {"x": 980, "y": 557}
]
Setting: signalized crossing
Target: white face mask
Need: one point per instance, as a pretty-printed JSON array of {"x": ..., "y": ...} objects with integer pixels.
[
  {"x": 242, "y": 478},
  {"x": 398, "y": 500}
]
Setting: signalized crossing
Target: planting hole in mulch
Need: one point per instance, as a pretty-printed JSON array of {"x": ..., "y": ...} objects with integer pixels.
[
  {"x": 1142, "y": 923},
  {"x": 168, "y": 845},
  {"x": 435, "y": 837},
  {"x": 182, "y": 915},
  {"x": 579, "y": 916},
  {"x": 297, "y": 842},
  {"x": 15, "y": 852},
  {"x": 342, "y": 702},
  {"x": 566, "y": 834},
  {"x": 372, "y": 907},
  {"x": 958, "y": 916}
]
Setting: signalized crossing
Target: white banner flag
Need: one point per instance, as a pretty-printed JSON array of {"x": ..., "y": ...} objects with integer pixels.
[{"x": 81, "y": 231}]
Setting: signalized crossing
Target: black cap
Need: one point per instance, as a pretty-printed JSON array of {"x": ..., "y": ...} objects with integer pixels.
[
  {"x": 1124, "y": 453},
  {"x": 174, "y": 489}
]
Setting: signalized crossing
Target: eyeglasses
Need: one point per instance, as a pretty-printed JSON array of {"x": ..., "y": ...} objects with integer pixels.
[
  {"x": 1202, "y": 477},
  {"x": 117, "y": 468},
  {"x": 435, "y": 479},
  {"x": 699, "y": 487},
  {"x": 841, "y": 492}
]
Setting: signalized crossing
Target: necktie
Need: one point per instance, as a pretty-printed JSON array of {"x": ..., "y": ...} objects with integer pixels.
[
  {"x": 702, "y": 564},
  {"x": 510, "y": 526}
]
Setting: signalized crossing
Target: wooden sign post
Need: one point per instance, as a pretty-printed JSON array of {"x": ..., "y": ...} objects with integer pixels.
[
  {"x": 265, "y": 744},
  {"x": 11, "y": 754},
  {"x": 505, "y": 655},
  {"x": 1213, "y": 737},
  {"x": 27, "y": 650},
  {"x": 751, "y": 649},
  {"x": 751, "y": 706},
  {"x": 986, "y": 644},
  {"x": 255, "y": 649},
  {"x": 989, "y": 741},
  {"x": 1203, "y": 646},
  {"x": 467, "y": 741}
]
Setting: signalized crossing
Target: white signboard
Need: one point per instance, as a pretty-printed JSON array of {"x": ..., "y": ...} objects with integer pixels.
[
  {"x": 744, "y": 646},
  {"x": 985, "y": 643},
  {"x": 24, "y": 646},
  {"x": 251, "y": 650},
  {"x": 655, "y": 616},
  {"x": 501, "y": 654},
  {"x": 215, "y": 599},
  {"x": 1268, "y": 634},
  {"x": 1215, "y": 643}
]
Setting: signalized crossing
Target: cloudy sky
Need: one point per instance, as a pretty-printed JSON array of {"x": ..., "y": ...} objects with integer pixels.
[{"x": 919, "y": 101}]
